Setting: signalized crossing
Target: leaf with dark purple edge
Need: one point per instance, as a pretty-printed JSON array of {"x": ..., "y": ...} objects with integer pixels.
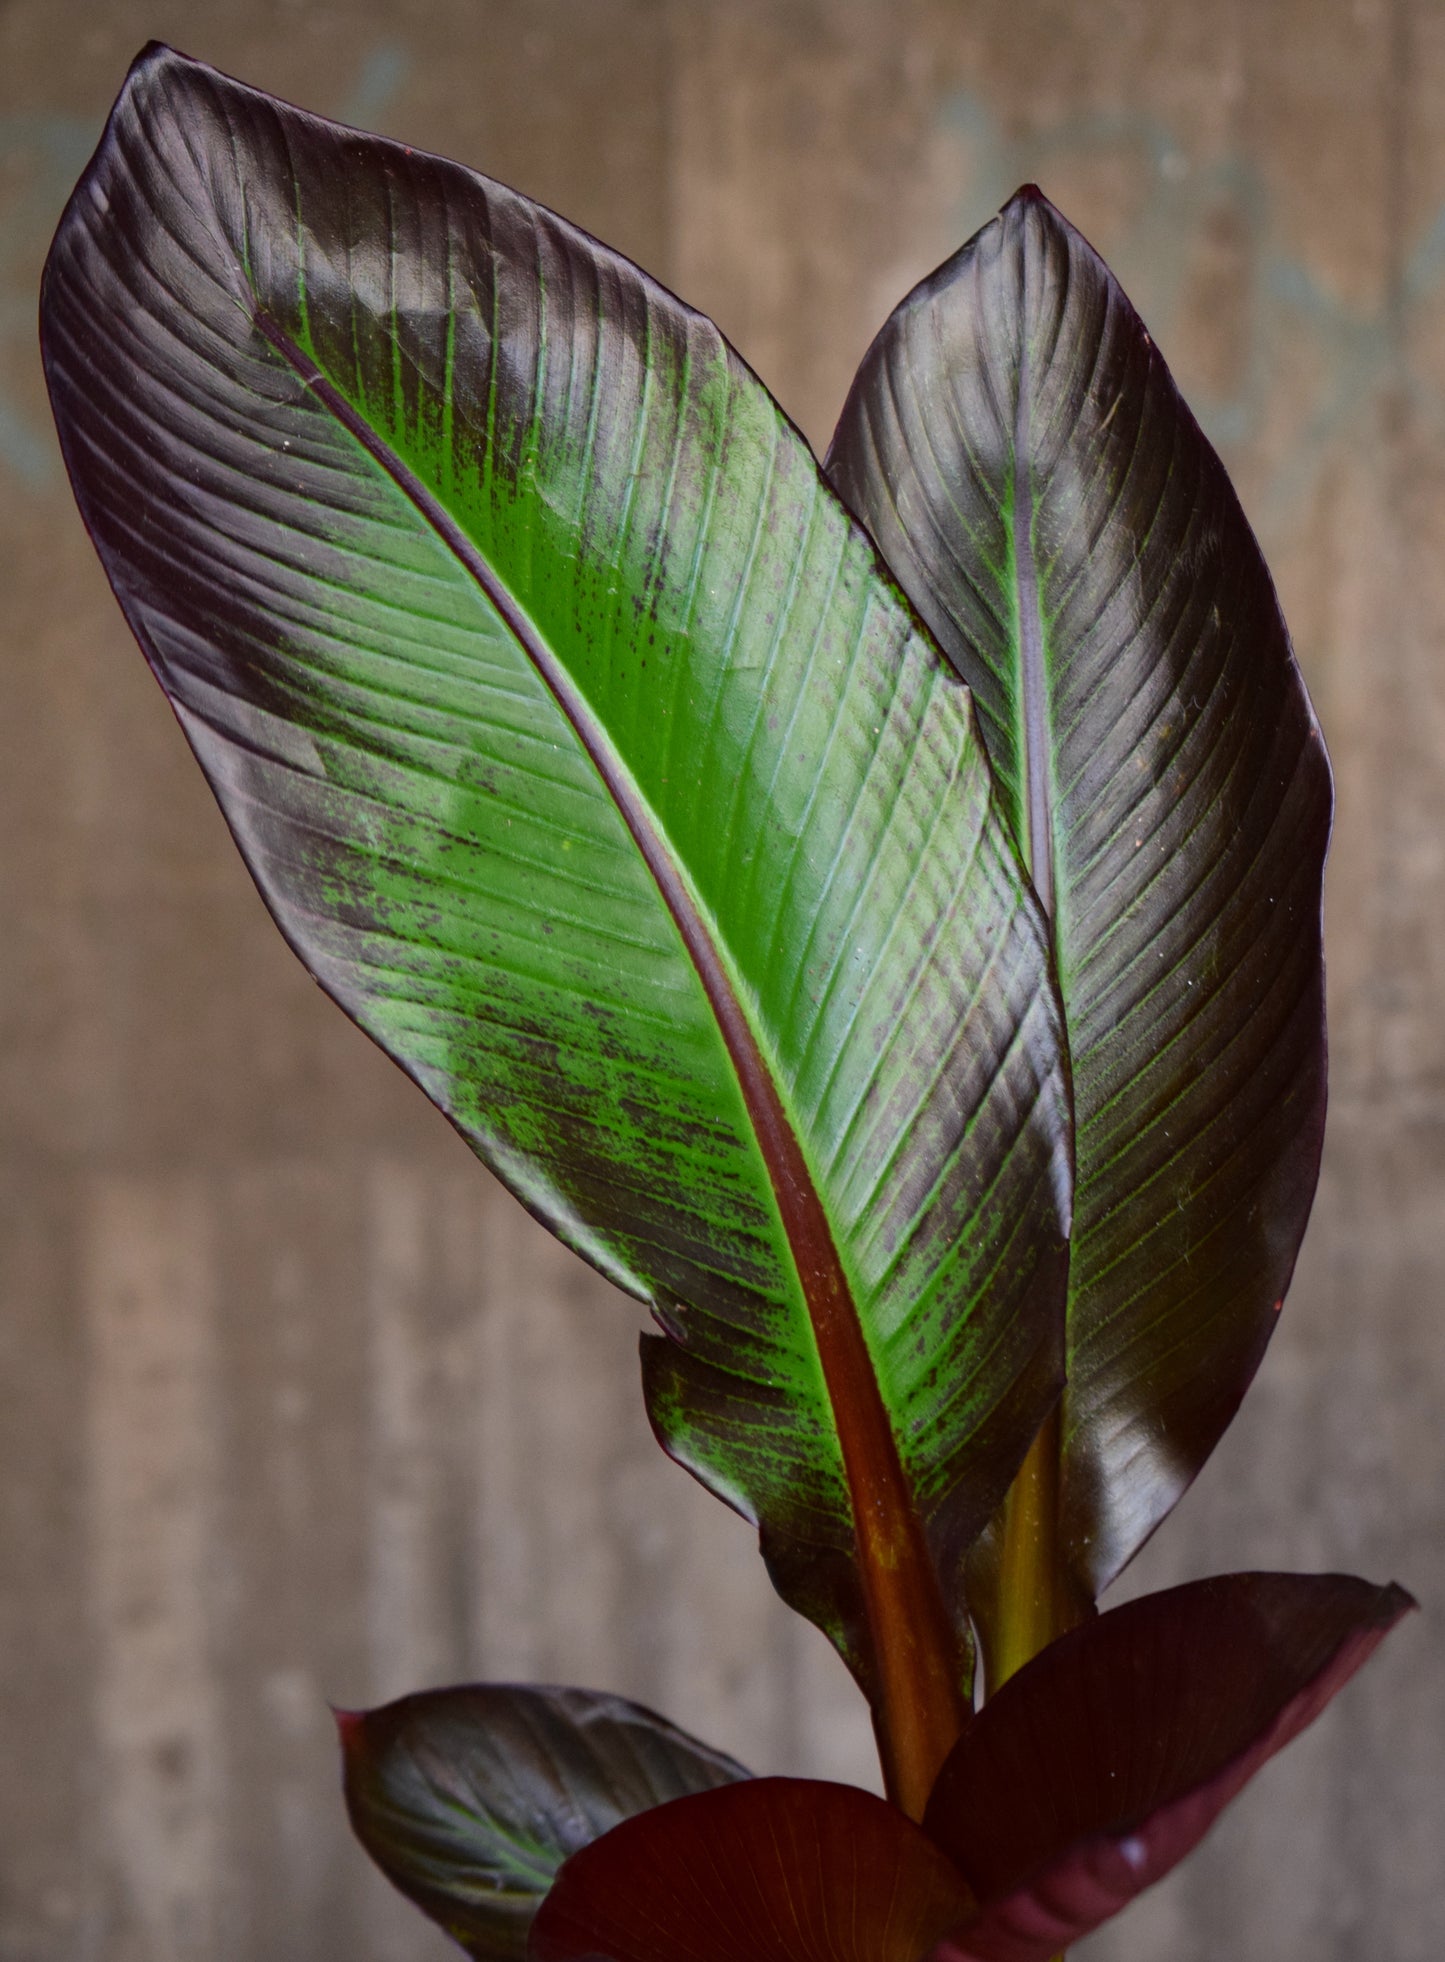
[
  {"x": 582, "y": 747},
  {"x": 1020, "y": 453},
  {"x": 1100, "y": 1764},
  {"x": 777, "y": 1870},
  {"x": 470, "y": 1799}
]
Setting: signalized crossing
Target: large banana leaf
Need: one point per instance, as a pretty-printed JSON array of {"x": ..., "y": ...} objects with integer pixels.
[
  {"x": 1020, "y": 453},
  {"x": 581, "y": 747}
]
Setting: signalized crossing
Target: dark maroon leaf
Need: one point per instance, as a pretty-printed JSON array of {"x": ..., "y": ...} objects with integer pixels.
[
  {"x": 1102, "y": 1762},
  {"x": 470, "y": 1799},
  {"x": 1016, "y": 445},
  {"x": 776, "y": 1870}
]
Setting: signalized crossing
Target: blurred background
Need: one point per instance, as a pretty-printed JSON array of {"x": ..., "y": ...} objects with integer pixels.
[{"x": 295, "y": 1404}]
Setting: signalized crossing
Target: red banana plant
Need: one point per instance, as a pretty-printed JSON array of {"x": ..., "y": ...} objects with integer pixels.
[{"x": 870, "y": 911}]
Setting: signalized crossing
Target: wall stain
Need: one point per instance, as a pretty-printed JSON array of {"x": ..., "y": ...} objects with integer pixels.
[
  {"x": 41, "y": 156},
  {"x": 1343, "y": 357}
]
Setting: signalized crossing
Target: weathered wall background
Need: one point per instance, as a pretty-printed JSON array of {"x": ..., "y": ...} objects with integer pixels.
[{"x": 294, "y": 1404}]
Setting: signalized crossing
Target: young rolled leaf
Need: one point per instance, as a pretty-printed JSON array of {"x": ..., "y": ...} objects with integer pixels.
[
  {"x": 1098, "y": 1766},
  {"x": 580, "y": 746},
  {"x": 776, "y": 1870},
  {"x": 470, "y": 1799},
  {"x": 1018, "y": 449}
]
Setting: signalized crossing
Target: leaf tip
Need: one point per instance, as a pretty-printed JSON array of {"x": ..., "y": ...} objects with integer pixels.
[
  {"x": 158, "y": 58},
  {"x": 1395, "y": 1603},
  {"x": 1027, "y": 198},
  {"x": 350, "y": 1727},
  {"x": 1029, "y": 202}
]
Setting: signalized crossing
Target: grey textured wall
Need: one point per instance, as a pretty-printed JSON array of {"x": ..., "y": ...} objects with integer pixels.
[{"x": 294, "y": 1404}]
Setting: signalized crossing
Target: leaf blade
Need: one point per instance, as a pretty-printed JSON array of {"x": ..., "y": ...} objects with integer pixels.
[
  {"x": 403, "y": 483},
  {"x": 1017, "y": 447},
  {"x": 470, "y": 1799},
  {"x": 778, "y": 1870},
  {"x": 1102, "y": 1763}
]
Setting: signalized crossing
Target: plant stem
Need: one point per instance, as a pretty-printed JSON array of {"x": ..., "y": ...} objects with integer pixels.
[
  {"x": 921, "y": 1712},
  {"x": 1036, "y": 1601}
]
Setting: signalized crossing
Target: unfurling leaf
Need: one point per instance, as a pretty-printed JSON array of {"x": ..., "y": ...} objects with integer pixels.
[
  {"x": 470, "y": 1799},
  {"x": 1015, "y": 444},
  {"x": 777, "y": 1870},
  {"x": 582, "y": 748}
]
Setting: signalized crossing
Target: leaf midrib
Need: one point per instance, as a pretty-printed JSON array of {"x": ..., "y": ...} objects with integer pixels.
[{"x": 1034, "y": 705}]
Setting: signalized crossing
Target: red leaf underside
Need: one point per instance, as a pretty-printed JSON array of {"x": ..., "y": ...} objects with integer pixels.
[
  {"x": 775, "y": 1870},
  {"x": 1106, "y": 1760}
]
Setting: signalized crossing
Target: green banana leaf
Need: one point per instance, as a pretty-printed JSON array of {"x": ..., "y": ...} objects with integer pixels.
[
  {"x": 1019, "y": 451},
  {"x": 584, "y": 751}
]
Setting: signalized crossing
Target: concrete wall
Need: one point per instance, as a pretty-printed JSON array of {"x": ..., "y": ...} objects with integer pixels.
[{"x": 294, "y": 1404}]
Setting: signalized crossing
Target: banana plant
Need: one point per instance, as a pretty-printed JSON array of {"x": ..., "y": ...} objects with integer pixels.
[{"x": 869, "y": 911}]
